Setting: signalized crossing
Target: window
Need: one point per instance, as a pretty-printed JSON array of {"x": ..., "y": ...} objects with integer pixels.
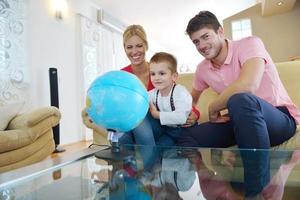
[{"x": 241, "y": 28}]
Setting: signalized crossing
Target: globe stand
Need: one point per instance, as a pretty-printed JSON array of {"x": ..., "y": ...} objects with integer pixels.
[{"x": 114, "y": 152}]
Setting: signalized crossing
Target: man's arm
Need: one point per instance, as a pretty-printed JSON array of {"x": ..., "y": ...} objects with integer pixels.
[
  {"x": 195, "y": 96},
  {"x": 248, "y": 81}
]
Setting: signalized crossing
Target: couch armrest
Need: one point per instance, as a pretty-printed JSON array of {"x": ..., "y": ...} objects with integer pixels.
[
  {"x": 88, "y": 123},
  {"x": 34, "y": 117},
  {"x": 13, "y": 139}
]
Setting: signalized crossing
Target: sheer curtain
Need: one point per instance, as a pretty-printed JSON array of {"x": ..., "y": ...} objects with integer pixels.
[
  {"x": 13, "y": 57},
  {"x": 105, "y": 49},
  {"x": 120, "y": 58},
  {"x": 101, "y": 51}
]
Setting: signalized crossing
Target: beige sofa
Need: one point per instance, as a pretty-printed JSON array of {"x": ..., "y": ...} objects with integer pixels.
[
  {"x": 289, "y": 73},
  {"x": 28, "y": 138}
]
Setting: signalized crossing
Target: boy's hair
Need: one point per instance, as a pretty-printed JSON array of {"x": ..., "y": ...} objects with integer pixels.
[
  {"x": 201, "y": 20},
  {"x": 165, "y": 57},
  {"x": 137, "y": 30}
]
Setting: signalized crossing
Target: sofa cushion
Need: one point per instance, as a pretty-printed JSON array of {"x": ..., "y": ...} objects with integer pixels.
[
  {"x": 289, "y": 73},
  {"x": 30, "y": 154},
  {"x": 206, "y": 98},
  {"x": 292, "y": 143},
  {"x": 17, "y": 155},
  {"x": 34, "y": 117},
  {"x": 8, "y": 112}
]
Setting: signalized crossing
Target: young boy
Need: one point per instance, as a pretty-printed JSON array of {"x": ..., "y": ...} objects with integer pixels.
[{"x": 170, "y": 103}]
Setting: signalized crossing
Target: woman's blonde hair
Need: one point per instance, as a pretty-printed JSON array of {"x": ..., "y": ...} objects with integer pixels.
[{"x": 137, "y": 30}]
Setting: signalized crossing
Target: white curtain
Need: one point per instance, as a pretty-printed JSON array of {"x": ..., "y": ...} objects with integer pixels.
[
  {"x": 89, "y": 39},
  {"x": 105, "y": 49},
  {"x": 13, "y": 57},
  {"x": 102, "y": 50},
  {"x": 121, "y": 59}
]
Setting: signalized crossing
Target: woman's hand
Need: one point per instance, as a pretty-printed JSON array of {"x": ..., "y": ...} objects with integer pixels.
[
  {"x": 85, "y": 114},
  {"x": 154, "y": 112}
]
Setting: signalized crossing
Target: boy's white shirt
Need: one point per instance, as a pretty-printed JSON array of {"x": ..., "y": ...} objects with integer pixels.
[{"x": 183, "y": 105}]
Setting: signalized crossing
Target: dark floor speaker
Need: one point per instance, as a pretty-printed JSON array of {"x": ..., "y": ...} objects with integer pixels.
[{"x": 54, "y": 99}]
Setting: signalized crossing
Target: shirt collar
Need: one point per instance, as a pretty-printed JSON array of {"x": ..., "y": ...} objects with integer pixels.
[
  {"x": 229, "y": 54},
  {"x": 228, "y": 58}
]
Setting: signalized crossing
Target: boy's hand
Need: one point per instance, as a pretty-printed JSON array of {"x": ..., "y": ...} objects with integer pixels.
[{"x": 154, "y": 112}]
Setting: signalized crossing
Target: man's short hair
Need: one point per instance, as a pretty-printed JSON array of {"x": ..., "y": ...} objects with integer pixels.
[{"x": 201, "y": 20}]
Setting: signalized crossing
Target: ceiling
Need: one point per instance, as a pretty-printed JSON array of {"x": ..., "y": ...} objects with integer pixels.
[
  {"x": 271, "y": 7},
  {"x": 165, "y": 20}
]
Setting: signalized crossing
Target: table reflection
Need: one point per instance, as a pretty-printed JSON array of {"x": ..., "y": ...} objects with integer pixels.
[{"x": 167, "y": 173}]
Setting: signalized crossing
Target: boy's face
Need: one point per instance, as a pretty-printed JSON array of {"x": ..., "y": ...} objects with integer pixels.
[
  {"x": 161, "y": 76},
  {"x": 208, "y": 42}
]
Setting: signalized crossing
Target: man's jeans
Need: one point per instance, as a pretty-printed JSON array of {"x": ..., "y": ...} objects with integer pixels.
[{"x": 254, "y": 124}]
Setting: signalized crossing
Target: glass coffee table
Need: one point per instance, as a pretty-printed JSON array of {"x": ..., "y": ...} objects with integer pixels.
[{"x": 160, "y": 173}]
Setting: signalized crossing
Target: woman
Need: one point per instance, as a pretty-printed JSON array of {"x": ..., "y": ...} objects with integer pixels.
[{"x": 135, "y": 46}]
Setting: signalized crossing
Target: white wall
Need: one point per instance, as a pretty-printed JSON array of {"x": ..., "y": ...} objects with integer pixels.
[
  {"x": 53, "y": 43},
  {"x": 56, "y": 43},
  {"x": 279, "y": 32}
]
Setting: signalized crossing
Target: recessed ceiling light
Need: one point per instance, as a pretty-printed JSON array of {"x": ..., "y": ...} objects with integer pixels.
[{"x": 279, "y": 3}]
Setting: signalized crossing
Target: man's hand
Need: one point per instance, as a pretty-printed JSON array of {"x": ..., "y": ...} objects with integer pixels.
[
  {"x": 228, "y": 159},
  {"x": 154, "y": 112},
  {"x": 191, "y": 120},
  {"x": 215, "y": 115}
]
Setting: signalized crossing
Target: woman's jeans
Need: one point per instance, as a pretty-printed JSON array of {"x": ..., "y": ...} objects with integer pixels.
[{"x": 254, "y": 124}]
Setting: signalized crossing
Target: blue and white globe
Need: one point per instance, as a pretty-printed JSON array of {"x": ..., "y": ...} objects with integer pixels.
[{"x": 117, "y": 100}]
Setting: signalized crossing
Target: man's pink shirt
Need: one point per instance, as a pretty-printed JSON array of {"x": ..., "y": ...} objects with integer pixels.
[{"x": 271, "y": 88}]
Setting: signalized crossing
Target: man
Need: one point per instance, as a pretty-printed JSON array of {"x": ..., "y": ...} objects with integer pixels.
[{"x": 260, "y": 112}]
